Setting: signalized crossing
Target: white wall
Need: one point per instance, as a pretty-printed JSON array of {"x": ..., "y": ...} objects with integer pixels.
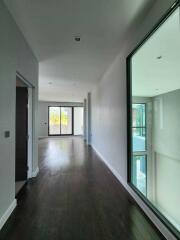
[
  {"x": 88, "y": 118},
  {"x": 15, "y": 55},
  {"x": 43, "y": 115},
  {"x": 85, "y": 119},
  {"x": 109, "y": 122},
  {"x": 78, "y": 120}
]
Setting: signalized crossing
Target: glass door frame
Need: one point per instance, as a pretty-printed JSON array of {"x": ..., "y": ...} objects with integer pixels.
[
  {"x": 160, "y": 216},
  {"x": 72, "y": 121}
]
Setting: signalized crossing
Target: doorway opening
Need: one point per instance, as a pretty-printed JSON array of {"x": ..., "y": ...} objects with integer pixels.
[{"x": 23, "y": 160}]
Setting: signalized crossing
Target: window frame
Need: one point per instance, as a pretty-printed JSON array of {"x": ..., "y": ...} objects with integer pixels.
[{"x": 157, "y": 213}]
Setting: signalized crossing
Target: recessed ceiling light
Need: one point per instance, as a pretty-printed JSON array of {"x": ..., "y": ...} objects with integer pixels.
[
  {"x": 159, "y": 57},
  {"x": 77, "y": 38}
]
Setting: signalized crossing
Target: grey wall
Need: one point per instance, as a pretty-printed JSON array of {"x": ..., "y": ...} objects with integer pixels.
[
  {"x": 109, "y": 135},
  {"x": 43, "y": 115},
  {"x": 15, "y": 55}
]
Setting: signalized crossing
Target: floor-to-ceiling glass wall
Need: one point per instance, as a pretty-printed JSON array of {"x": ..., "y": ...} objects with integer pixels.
[{"x": 154, "y": 70}]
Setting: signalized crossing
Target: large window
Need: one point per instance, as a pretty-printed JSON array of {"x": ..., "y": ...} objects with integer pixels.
[
  {"x": 66, "y": 120},
  {"x": 139, "y": 127},
  {"x": 139, "y": 172},
  {"x": 139, "y": 146},
  {"x": 60, "y": 121},
  {"x": 153, "y": 120},
  {"x": 54, "y": 121}
]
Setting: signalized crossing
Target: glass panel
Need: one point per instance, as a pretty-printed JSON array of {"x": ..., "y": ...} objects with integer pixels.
[
  {"x": 139, "y": 139},
  {"x": 54, "y": 120},
  {"x": 78, "y": 120},
  {"x": 139, "y": 173},
  {"x": 138, "y": 114},
  {"x": 155, "y": 123},
  {"x": 66, "y": 120}
]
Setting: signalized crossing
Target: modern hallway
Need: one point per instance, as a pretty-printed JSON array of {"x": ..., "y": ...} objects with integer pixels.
[{"x": 75, "y": 196}]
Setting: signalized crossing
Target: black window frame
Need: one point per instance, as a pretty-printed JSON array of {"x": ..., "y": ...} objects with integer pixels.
[{"x": 158, "y": 214}]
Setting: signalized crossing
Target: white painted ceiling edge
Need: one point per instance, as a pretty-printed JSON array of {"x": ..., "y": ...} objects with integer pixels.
[{"x": 69, "y": 69}]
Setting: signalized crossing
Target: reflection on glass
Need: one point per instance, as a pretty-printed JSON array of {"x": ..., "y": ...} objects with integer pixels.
[
  {"x": 139, "y": 143},
  {"x": 54, "y": 120},
  {"x": 139, "y": 127},
  {"x": 139, "y": 117},
  {"x": 155, "y": 76},
  {"x": 66, "y": 120},
  {"x": 139, "y": 173}
]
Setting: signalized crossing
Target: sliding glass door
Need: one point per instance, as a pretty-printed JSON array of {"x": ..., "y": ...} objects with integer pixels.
[
  {"x": 60, "y": 121},
  {"x": 54, "y": 121},
  {"x": 66, "y": 120}
]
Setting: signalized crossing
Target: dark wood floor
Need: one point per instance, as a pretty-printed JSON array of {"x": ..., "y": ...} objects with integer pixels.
[{"x": 75, "y": 197}]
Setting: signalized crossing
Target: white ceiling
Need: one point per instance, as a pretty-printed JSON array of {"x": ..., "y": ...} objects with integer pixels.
[
  {"x": 152, "y": 76},
  {"x": 72, "y": 67}
]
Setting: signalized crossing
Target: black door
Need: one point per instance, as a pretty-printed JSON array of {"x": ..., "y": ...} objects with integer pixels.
[{"x": 21, "y": 133}]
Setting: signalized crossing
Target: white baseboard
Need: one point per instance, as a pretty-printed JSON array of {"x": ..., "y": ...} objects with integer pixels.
[
  {"x": 35, "y": 173},
  {"x": 162, "y": 228},
  {"x": 7, "y": 214}
]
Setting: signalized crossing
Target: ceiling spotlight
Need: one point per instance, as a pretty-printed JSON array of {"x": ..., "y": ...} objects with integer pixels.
[
  {"x": 159, "y": 57},
  {"x": 77, "y": 38}
]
